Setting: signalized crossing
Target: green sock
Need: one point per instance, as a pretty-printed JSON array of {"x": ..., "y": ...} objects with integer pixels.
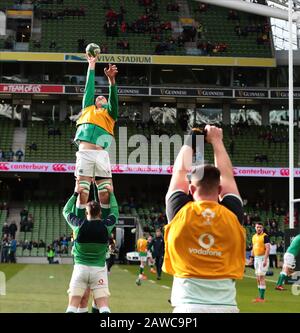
[
  {"x": 262, "y": 293},
  {"x": 281, "y": 279},
  {"x": 141, "y": 270}
]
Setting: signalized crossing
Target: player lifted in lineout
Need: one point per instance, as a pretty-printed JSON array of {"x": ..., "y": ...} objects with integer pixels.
[
  {"x": 94, "y": 135},
  {"x": 289, "y": 262},
  {"x": 90, "y": 246}
]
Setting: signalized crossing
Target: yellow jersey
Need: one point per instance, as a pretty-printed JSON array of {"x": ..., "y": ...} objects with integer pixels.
[
  {"x": 99, "y": 117},
  {"x": 205, "y": 240},
  {"x": 142, "y": 245},
  {"x": 258, "y": 244}
]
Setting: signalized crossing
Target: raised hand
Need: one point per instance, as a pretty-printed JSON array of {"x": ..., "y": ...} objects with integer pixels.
[{"x": 111, "y": 73}]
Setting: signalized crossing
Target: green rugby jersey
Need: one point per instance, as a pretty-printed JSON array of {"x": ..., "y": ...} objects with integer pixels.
[
  {"x": 294, "y": 247},
  {"x": 90, "y": 236},
  {"x": 90, "y": 132}
]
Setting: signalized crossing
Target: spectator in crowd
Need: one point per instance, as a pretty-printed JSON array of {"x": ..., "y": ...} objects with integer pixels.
[
  {"x": 19, "y": 154},
  {"x": 5, "y": 229},
  {"x": 5, "y": 247},
  {"x": 51, "y": 255},
  {"x": 27, "y": 245},
  {"x": 24, "y": 214},
  {"x": 112, "y": 251},
  {"x": 1, "y": 155},
  {"x": 158, "y": 250},
  {"x": 52, "y": 44},
  {"x": 261, "y": 158},
  {"x": 10, "y": 155},
  {"x": 13, "y": 250},
  {"x": 13, "y": 229},
  {"x": 30, "y": 223},
  {"x": 273, "y": 255},
  {"x": 41, "y": 244},
  {"x": 32, "y": 146},
  {"x": 64, "y": 245}
]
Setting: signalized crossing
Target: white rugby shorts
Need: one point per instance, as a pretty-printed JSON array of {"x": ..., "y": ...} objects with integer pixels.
[
  {"x": 93, "y": 163},
  {"x": 260, "y": 270},
  {"x": 84, "y": 277}
]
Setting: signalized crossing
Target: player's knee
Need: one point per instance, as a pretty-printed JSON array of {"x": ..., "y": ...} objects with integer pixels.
[
  {"x": 289, "y": 260},
  {"x": 103, "y": 192},
  {"x": 100, "y": 293},
  {"x": 85, "y": 185}
]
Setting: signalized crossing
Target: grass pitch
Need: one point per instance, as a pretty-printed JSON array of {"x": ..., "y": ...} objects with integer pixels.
[{"x": 43, "y": 288}]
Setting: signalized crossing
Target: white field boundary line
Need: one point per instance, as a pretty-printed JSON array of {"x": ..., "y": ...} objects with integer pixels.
[{"x": 253, "y": 277}]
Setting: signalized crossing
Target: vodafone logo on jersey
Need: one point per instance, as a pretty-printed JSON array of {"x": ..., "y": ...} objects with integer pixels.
[
  {"x": 4, "y": 166},
  {"x": 206, "y": 242},
  {"x": 59, "y": 167}
]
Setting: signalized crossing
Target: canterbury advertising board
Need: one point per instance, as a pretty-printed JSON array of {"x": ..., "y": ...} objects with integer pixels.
[{"x": 139, "y": 169}]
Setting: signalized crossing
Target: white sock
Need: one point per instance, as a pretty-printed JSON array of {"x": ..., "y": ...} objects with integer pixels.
[
  {"x": 104, "y": 309},
  {"x": 71, "y": 309},
  {"x": 82, "y": 310}
]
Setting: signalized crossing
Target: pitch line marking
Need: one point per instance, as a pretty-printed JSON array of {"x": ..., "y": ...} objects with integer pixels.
[
  {"x": 151, "y": 281},
  {"x": 166, "y": 287},
  {"x": 253, "y": 277}
]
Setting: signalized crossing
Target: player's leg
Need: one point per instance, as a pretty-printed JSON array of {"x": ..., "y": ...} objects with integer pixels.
[
  {"x": 84, "y": 173},
  {"x": 77, "y": 289},
  {"x": 103, "y": 177},
  {"x": 99, "y": 287},
  {"x": 103, "y": 195},
  {"x": 84, "y": 304},
  {"x": 289, "y": 265},
  {"x": 151, "y": 262},
  {"x": 262, "y": 287},
  {"x": 159, "y": 264}
]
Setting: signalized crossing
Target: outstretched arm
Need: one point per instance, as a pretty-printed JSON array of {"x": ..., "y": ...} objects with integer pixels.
[
  {"x": 183, "y": 164},
  {"x": 113, "y": 105},
  {"x": 68, "y": 211},
  {"x": 89, "y": 91},
  {"x": 113, "y": 216},
  {"x": 222, "y": 161}
]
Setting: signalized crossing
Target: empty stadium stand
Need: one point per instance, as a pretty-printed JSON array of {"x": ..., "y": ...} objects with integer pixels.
[
  {"x": 85, "y": 20},
  {"x": 249, "y": 146},
  {"x": 7, "y": 131}
]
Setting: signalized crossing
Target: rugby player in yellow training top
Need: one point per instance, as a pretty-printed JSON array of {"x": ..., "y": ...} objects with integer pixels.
[
  {"x": 260, "y": 253},
  {"x": 142, "y": 248},
  {"x": 95, "y": 130},
  {"x": 205, "y": 243}
]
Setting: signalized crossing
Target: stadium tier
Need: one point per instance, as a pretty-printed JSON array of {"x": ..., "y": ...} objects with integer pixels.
[
  {"x": 49, "y": 225},
  {"x": 148, "y": 27},
  {"x": 6, "y": 134},
  {"x": 253, "y": 145}
]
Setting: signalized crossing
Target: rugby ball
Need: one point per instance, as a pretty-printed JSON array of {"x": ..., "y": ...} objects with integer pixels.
[{"x": 93, "y": 50}]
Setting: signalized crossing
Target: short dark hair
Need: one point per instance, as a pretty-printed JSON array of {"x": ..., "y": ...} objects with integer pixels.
[
  {"x": 207, "y": 177},
  {"x": 259, "y": 223},
  {"x": 93, "y": 208}
]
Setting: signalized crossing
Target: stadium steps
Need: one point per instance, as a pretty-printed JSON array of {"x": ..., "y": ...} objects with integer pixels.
[{"x": 19, "y": 139}]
